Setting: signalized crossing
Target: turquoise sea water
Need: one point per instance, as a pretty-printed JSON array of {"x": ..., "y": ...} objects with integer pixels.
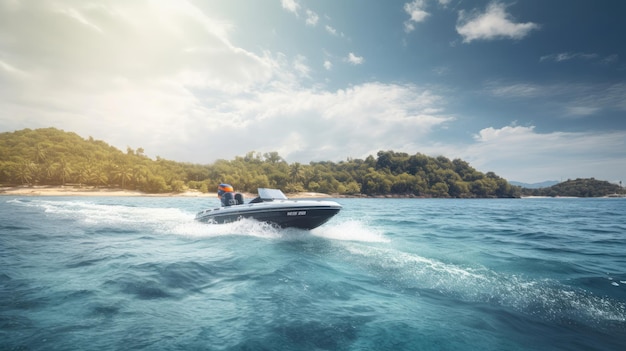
[{"x": 81, "y": 273}]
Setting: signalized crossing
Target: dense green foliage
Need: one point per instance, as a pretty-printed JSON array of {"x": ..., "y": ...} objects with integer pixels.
[
  {"x": 578, "y": 188},
  {"x": 54, "y": 157}
]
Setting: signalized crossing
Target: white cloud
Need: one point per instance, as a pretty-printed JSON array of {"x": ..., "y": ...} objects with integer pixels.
[
  {"x": 354, "y": 59},
  {"x": 516, "y": 90},
  {"x": 10, "y": 71},
  {"x": 300, "y": 67},
  {"x": 573, "y": 99},
  {"x": 328, "y": 65},
  {"x": 494, "y": 23},
  {"x": 416, "y": 12},
  {"x": 333, "y": 31},
  {"x": 311, "y": 18},
  {"x": 521, "y": 153},
  {"x": 509, "y": 133},
  {"x": 610, "y": 59},
  {"x": 441, "y": 70},
  {"x": 581, "y": 111},
  {"x": 386, "y": 115},
  {"x": 568, "y": 56},
  {"x": 291, "y": 6},
  {"x": 72, "y": 13},
  {"x": 392, "y": 116}
]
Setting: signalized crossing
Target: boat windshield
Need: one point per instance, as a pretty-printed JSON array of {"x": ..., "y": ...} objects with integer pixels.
[{"x": 271, "y": 194}]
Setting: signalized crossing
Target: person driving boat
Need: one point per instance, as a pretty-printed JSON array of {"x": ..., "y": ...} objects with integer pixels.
[{"x": 228, "y": 196}]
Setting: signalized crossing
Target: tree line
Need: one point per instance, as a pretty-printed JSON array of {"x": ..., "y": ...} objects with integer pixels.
[
  {"x": 51, "y": 156},
  {"x": 589, "y": 187}
]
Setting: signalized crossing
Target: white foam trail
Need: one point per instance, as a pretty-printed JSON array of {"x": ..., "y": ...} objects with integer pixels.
[
  {"x": 93, "y": 214},
  {"x": 244, "y": 227},
  {"x": 159, "y": 220},
  {"x": 547, "y": 298},
  {"x": 350, "y": 230},
  {"x": 345, "y": 231},
  {"x": 178, "y": 222}
]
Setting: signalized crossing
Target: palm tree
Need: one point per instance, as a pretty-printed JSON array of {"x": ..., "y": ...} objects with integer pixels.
[
  {"x": 296, "y": 173},
  {"x": 24, "y": 172},
  {"x": 124, "y": 174},
  {"x": 140, "y": 175},
  {"x": 86, "y": 174},
  {"x": 100, "y": 179},
  {"x": 64, "y": 170},
  {"x": 47, "y": 173},
  {"x": 40, "y": 153},
  {"x": 273, "y": 157}
]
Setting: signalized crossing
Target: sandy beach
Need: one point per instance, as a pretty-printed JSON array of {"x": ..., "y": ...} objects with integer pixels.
[{"x": 93, "y": 191}]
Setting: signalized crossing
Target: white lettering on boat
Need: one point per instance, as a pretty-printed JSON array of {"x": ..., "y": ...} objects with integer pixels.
[{"x": 296, "y": 213}]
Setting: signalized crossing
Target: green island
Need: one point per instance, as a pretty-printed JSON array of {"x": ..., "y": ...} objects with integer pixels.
[
  {"x": 53, "y": 157},
  {"x": 578, "y": 188}
]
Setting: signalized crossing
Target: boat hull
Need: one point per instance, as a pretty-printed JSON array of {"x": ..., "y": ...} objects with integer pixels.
[{"x": 285, "y": 214}]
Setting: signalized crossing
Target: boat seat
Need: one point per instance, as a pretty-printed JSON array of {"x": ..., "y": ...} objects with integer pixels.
[
  {"x": 239, "y": 198},
  {"x": 228, "y": 199}
]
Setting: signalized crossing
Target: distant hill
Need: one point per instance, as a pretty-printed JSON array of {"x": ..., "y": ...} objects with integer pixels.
[
  {"x": 544, "y": 184},
  {"x": 588, "y": 187}
]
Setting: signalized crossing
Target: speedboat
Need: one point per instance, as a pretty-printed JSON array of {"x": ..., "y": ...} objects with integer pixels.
[{"x": 272, "y": 206}]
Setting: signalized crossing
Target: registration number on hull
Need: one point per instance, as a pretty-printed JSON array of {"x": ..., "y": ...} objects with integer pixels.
[{"x": 296, "y": 213}]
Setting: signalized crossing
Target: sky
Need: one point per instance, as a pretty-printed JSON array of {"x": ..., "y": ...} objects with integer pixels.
[{"x": 532, "y": 90}]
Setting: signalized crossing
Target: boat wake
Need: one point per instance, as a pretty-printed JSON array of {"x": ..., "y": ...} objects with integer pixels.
[
  {"x": 87, "y": 213},
  {"x": 336, "y": 230},
  {"x": 350, "y": 230},
  {"x": 170, "y": 220},
  {"x": 547, "y": 299}
]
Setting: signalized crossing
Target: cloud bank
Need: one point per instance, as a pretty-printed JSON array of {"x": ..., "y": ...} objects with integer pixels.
[{"x": 502, "y": 149}]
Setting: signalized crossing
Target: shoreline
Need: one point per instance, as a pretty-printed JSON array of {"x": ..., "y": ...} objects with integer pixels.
[
  {"x": 71, "y": 190},
  {"x": 44, "y": 190}
]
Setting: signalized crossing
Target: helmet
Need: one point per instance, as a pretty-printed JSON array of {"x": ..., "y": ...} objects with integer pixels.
[{"x": 224, "y": 188}]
